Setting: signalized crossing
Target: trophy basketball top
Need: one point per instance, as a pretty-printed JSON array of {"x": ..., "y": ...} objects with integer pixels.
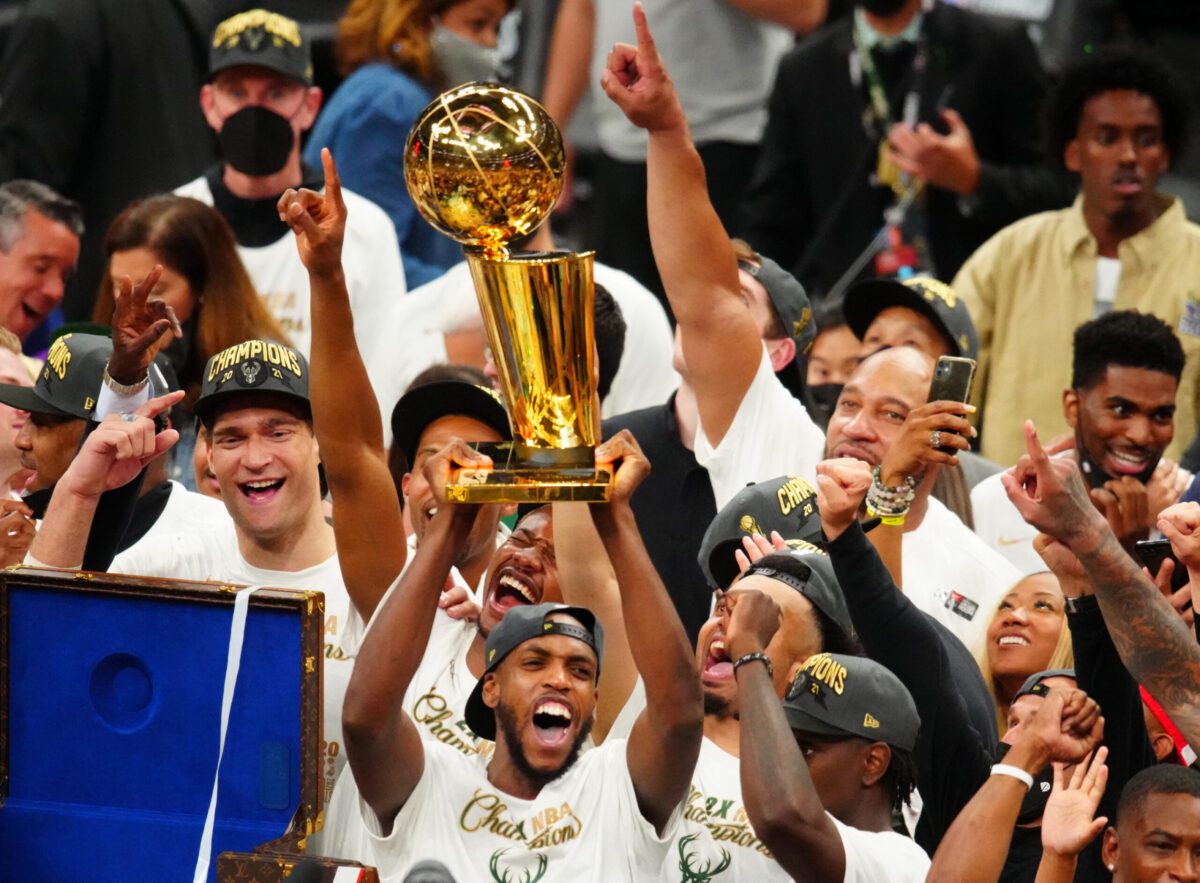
[{"x": 484, "y": 164}]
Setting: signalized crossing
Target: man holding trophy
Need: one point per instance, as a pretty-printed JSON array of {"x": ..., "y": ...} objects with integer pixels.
[{"x": 536, "y": 807}]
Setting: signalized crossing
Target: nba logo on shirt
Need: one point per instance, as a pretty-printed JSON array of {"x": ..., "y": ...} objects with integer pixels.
[{"x": 962, "y": 605}]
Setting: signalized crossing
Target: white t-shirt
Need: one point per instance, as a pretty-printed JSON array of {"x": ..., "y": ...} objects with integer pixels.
[
  {"x": 772, "y": 434},
  {"x": 881, "y": 856},
  {"x": 370, "y": 255},
  {"x": 1001, "y": 527},
  {"x": 715, "y": 836},
  {"x": 1108, "y": 277},
  {"x": 418, "y": 323},
  {"x": 585, "y": 825},
  {"x": 185, "y": 511},
  {"x": 952, "y": 575},
  {"x": 213, "y": 555}
]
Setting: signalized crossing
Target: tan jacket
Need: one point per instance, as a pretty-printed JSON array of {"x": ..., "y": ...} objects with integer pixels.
[{"x": 1032, "y": 284}]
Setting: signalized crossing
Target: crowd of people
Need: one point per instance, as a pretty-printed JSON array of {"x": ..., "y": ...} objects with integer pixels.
[{"x": 848, "y": 629}]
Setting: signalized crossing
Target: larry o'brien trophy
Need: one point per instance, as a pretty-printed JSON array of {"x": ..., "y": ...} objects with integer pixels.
[{"x": 484, "y": 165}]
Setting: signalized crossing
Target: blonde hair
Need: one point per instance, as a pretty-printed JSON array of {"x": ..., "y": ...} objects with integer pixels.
[{"x": 1063, "y": 656}]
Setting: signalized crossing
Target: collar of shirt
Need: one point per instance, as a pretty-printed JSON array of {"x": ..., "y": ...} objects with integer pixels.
[
  {"x": 869, "y": 38},
  {"x": 1148, "y": 246}
]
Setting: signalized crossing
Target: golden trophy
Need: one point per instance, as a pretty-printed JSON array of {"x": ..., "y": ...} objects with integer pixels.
[{"x": 484, "y": 165}]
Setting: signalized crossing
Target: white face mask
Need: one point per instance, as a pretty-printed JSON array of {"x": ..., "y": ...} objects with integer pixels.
[{"x": 459, "y": 60}]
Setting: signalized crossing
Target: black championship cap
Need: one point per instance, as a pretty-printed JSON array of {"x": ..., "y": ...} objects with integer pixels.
[
  {"x": 929, "y": 297},
  {"x": 1035, "y": 684},
  {"x": 787, "y": 504},
  {"x": 261, "y": 367},
  {"x": 69, "y": 381},
  {"x": 813, "y": 578},
  {"x": 520, "y": 624},
  {"x": 424, "y": 404},
  {"x": 788, "y": 298},
  {"x": 837, "y": 695},
  {"x": 262, "y": 39}
]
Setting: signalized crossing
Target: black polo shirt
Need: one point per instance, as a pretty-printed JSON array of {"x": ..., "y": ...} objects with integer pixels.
[{"x": 673, "y": 508}]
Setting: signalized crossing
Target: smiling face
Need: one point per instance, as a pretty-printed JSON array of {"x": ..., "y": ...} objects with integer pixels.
[
  {"x": 544, "y": 694},
  {"x": 798, "y": 637},
  {"x": 522, "y": 570},
  {"x": 418, "y": 495},
  {"x": 34, "y": 272},
  {"x": 875, "y": 403},
  {"x": 264, "y": 456},
  {"x": 1119, "y": 154},
  {"x": 1024, "y": 630},
  {"x": 1158, "y": 842},
  {"x": 1126, "y": 421}
]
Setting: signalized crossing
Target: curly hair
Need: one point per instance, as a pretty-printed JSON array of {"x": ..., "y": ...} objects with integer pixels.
[{"x": 1115, "y": 69}]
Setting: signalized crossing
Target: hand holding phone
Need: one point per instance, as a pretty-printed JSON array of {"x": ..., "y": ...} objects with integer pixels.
[{"x": 952, "y": 377}]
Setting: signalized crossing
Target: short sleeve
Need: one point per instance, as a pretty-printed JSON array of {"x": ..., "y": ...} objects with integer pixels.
[
  {"x": 772, "y": 434},
  {"x": 881, "y": 856},
  {"x": 648, "y": 848}
]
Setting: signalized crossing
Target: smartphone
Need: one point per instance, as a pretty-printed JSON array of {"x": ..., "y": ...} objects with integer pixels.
[
  {"x": 1152, "y": 553},
  {"x": 952, "y": 383}
]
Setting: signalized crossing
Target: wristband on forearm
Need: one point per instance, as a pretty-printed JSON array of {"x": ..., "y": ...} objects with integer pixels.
[
  {"x": 754, "y": 657},
  {"x": 1006, "y": 769}
]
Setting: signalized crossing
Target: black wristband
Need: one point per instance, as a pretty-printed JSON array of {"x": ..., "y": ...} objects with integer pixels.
[{"x": 754, "y": 657}]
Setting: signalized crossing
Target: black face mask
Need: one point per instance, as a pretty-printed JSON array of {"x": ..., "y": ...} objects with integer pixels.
[
  {"x": 256, "y": 141},
  {"x": 822, "y": 400},
  {"x": 1034, "y": 803},
  {"x": 881, "y": 8}
]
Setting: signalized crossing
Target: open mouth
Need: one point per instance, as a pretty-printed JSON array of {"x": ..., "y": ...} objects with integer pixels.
[
  {"x": 1127, "y": 462},
  {"x": 717, "y": 665},
  {"x": 551, "y": 722},
  {"x": 1127, "y": 183},
  {"x": 513, "y": 589},
  {"x": 1012, "y": 641},
  {"x": 34, "y": 316},
  {"x": 262, "y": 491}
]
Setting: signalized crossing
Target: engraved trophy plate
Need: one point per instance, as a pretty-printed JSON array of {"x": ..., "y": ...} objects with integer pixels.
[{"x": 484, "y": 165}]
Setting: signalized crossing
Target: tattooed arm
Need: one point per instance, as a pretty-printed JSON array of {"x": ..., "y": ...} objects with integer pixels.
[{"x": 1155, "y": 645}]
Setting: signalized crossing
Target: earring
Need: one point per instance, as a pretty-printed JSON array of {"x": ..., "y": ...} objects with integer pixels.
[{"x": 1110, "y": 868}]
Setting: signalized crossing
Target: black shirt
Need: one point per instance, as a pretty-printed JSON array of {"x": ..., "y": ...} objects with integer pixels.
[{"x": 673, "y": 508}]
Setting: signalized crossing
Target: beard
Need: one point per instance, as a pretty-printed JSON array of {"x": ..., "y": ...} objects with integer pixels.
[
  {"x": 717, "y": 706},
  {"x": 507, "y": 719}
]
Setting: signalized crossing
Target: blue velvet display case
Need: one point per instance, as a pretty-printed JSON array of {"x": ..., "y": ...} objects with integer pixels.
[{"x": 110, "y": 708}]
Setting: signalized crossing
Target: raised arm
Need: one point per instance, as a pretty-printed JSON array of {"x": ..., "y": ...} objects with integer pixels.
[
  {"x": 1065, "y": 728},
  {"x": 665, "y": 740},
  {"x": 111, "y": 456},
  {"x": 367, "y": 523},
  {"x": 780, "y": 797},
  {"x": 587, "y": 580},
  {"x": 1155, "y": 645},
  {"x": 721, "y": 342},
  {"x": 382, "y": 743}
]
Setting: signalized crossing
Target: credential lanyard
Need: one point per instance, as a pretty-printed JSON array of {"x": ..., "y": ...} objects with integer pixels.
[
  {"x": 233, "y": 662},
  {"x": 881, "y": 108}
]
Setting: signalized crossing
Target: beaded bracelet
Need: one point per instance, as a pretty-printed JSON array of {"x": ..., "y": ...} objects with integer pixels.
[{"x": 754, "y": 657}]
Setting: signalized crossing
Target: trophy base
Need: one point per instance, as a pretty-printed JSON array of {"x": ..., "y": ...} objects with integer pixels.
[{"x": 513, "y": 480}]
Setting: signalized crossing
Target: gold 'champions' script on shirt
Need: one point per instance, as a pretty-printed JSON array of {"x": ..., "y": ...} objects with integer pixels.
[
  {"x": 486, "y": 811},
  {"x": 273, "y": 353},
  {"x": 795, "y": 492},
  {"x": 59, "y": 357},
  {"x": 725, "y": 819},
  {"x": 434, "y": 712},
  {"x": 827, "y": 671},
  {"x": 278, "y": 26}
]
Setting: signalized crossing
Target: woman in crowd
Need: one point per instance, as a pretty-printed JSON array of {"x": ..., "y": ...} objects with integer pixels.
[
  {"x": 202, "y": 279},
  {"x": 1028, "y": 633},
  {"x": 397, "y": 54}
]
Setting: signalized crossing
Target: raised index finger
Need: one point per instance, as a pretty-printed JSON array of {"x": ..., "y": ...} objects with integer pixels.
[
  {"x": 645, "y": 40},
  {"x": 1034, "y": 446},
  {"x": 333, "y": 184},
  {"x": 158, "y": 405}
]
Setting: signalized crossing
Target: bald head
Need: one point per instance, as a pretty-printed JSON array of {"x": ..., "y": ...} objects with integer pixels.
[{"x": 884, "y": 387}]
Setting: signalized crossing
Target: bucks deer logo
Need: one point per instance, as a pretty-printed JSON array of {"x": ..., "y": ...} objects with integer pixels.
[
  {"x": 689, "y": 863},
  {"x": 250, "y": 372},
  {"x": 507, "y": 875}
]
